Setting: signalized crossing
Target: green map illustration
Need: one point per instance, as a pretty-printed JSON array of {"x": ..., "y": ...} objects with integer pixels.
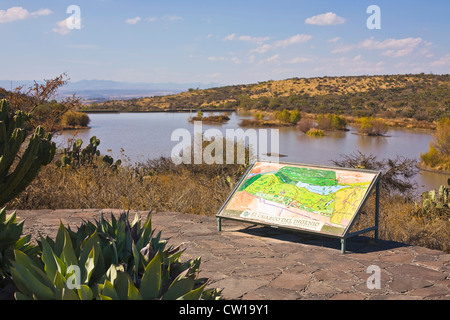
[{"x": 297, "y": 196}]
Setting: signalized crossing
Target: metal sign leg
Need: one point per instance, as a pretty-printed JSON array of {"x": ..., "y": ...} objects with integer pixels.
[
  {"x": 377, "y": 210},
  {"x": 343, "y": 243},
  {"x": 219, "y": 224}
]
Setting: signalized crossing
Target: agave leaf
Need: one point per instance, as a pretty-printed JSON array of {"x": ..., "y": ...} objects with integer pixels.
[
  {"x": 109, "y": 253},
  {"x": 136, "y": 257},
  {"x": 20, "y": 296},
  {"x": 148, "y": 232},
  {"x": 59, "y": 281},
  {"x": 59, "y": 241},
  {"x": 20, "y": 282},
  {"x": 136, "y": 220},
  {"x": 111, "y": 274},
  {"x": 133, "y": 292},
  {"x": 3, "y": 215},
  {"x": 90, "y": 263},
  {"x": 33, "y": 284},
  {"x": 175, "y": 257},
  {"x": 121, "y": 285},
  {"x": 49, "y": 259},
  {"x": 103, "y": 297},
  {"x": 195, "y": 294},
  {"x": 32, "y": 268},
  {"x": 85, "y": 293},
  {"x": 151, "y": 279},
  {"x": 68, "y": 254},
  {"x": 68, "y": 294},
  {"x": 109, "y": 291},
  {"x": 178, "y": 288},
  {"x": 22, "y": 242}
]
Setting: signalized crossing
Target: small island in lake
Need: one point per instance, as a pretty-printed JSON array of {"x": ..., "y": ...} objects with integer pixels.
[{"x": 213, "y": 118}]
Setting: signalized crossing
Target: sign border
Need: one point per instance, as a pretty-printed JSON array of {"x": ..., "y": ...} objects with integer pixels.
[{"x": 373, "y": 185}]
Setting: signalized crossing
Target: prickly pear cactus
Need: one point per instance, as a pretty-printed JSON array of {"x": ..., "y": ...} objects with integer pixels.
[
  {"x": 436, "y": 203},
  {"x": 16, "y": 176}
]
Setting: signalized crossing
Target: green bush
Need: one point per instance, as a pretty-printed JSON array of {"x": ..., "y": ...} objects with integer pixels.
[
  {"x": 286, "y": 116},
  {"x": 372, "y": 126},
  {"x": 73, "y": 119},
  {"x": 331, "y": 122},
  {"x": 313, "y": 132}
]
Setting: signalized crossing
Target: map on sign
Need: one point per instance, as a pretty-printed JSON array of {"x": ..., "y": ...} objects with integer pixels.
[{"x": 323, "y": 200}]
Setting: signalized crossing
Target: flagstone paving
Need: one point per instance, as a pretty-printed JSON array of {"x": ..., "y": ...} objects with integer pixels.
[{"x": 261, "y": 263}]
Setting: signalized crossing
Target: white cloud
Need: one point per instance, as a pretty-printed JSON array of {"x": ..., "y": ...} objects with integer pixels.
[
  {"x": 133, "y": 20},
  {"x": 220, "y": 58},
  {"x": 19, "y": 13},
  {"x": 173, "y": 18},
  {"x": 61, "y": 27},
  {"x": 230, "y": 37},
  {"x": 151, "y": 19},
  {"x": 263, "y": 48},
  {"x": 235, "y": 60},
  {"x": 42, "y": 12},
  {"x": 298, "y": 38},
  {"x": 326, "y": 19},
  {"x": 273, "y": 58},
  {"x": 334, "y": 40},
  {"x": 443, "y": 61},
  {"x": 391, "y": 47},
  {"x": 257, "y": 40},
  {"x": 299, "y": 60},
  {"x": 217, "y": 58},
  {"x": 245, "y": 38}
]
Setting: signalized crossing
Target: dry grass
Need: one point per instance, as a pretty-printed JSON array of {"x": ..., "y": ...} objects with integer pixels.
[
  {"x": 202, "y": 189},
  {"x": 399, "y": 221},
  {"x": 127, "y": 188}
]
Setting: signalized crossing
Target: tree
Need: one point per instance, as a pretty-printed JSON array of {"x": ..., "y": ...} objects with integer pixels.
[{"x": 39, "y": 102}]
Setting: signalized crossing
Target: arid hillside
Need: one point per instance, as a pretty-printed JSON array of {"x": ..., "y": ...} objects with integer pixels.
[{"x": 420, "y": 97}]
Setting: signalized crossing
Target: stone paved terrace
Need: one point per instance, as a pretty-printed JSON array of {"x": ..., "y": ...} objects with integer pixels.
[{"x": 254, "y": 262}]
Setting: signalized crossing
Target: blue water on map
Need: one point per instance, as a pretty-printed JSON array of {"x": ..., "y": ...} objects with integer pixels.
[{"x": 323, "y": 190}]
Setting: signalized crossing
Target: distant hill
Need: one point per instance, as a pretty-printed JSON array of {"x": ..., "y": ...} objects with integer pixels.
[
  {"x": 419, "y": 96},
  {"x": 101, "y": 90}
]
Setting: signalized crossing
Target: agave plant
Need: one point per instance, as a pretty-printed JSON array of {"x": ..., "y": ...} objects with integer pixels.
[
  {"x": 108, "y": 260},
  {"x": 10, "y": 239}
]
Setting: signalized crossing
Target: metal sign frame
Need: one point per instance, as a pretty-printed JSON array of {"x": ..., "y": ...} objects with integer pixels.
[{"x": 375, "y": 184}]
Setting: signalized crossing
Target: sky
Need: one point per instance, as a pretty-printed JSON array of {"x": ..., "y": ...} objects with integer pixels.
[{"x": 224, "y": 42}]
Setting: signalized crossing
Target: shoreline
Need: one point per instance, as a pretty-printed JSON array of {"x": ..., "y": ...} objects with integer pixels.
[
  {"x": 428, "y": 169},
  {"x": 391, "y": 123}
]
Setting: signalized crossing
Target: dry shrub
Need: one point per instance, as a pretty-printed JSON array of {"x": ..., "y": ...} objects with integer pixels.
[
  {"x": 305, "y": 125},
  {"x": 398, "y": 221},
  {"x": 157, "y": 185}
]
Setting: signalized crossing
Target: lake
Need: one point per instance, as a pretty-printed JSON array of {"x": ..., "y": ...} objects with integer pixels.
[{"x": 142, "y": 136}]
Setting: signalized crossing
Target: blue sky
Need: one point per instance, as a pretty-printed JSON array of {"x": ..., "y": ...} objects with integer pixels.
[{"x": 226, "y": 42}]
